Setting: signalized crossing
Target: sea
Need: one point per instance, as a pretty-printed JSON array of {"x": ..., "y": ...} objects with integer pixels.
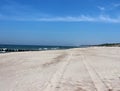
[{"x": 20, "y": 48}]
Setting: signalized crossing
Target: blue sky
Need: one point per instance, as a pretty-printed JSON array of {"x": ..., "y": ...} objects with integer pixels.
[{"x": 59, "y": 22}]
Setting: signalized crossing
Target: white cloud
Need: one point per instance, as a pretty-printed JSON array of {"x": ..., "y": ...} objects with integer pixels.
[
  {"x": 108, "y": 19},
  {"x": 82, "y": 18},
  {"x": 67, "y": 19},
  {"x": 116, "y": 5},
  {"x": 18, "y": 12},
  {"x": 101, "y": 8}
]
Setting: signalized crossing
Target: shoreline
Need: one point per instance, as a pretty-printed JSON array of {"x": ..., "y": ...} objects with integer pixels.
[{"x": 2, "y": 52}]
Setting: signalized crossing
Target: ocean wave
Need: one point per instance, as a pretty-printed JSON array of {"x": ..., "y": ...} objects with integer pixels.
[
  {"x": 3, "y": 50},
  {"x": 12, "y": 50},
  {"x": 20, "y": 48}
]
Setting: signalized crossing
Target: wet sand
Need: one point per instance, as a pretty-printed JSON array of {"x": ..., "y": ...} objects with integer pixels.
[{"x": 79, "y": 69}]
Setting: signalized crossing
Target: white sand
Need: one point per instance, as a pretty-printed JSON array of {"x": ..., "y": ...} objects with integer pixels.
[{"x": 81, "y": 69}]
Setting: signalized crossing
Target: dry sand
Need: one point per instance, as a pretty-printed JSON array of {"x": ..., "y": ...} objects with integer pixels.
[{"x": 81, "y": 69}]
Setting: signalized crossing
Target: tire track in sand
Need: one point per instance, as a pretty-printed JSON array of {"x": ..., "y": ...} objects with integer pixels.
[
  {"x": 54, "y": 81},
  {"x": 99, "y": 85}
]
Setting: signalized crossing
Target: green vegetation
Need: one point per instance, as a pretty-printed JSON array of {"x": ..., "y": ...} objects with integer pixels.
[{"x": 110, "y": 44}]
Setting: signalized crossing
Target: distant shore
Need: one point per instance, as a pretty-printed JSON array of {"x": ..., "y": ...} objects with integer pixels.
[
  {"x": 110, "y": 44},
  {"x": 22, "y": 48}
]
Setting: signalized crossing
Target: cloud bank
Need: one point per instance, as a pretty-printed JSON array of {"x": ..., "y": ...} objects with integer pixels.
[
  {"x": 81, "y": 18},
  {"x": 17, "y": 12}
]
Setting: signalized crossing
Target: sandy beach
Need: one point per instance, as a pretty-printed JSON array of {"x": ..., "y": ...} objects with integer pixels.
[{"x": 79, "y": 69}]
